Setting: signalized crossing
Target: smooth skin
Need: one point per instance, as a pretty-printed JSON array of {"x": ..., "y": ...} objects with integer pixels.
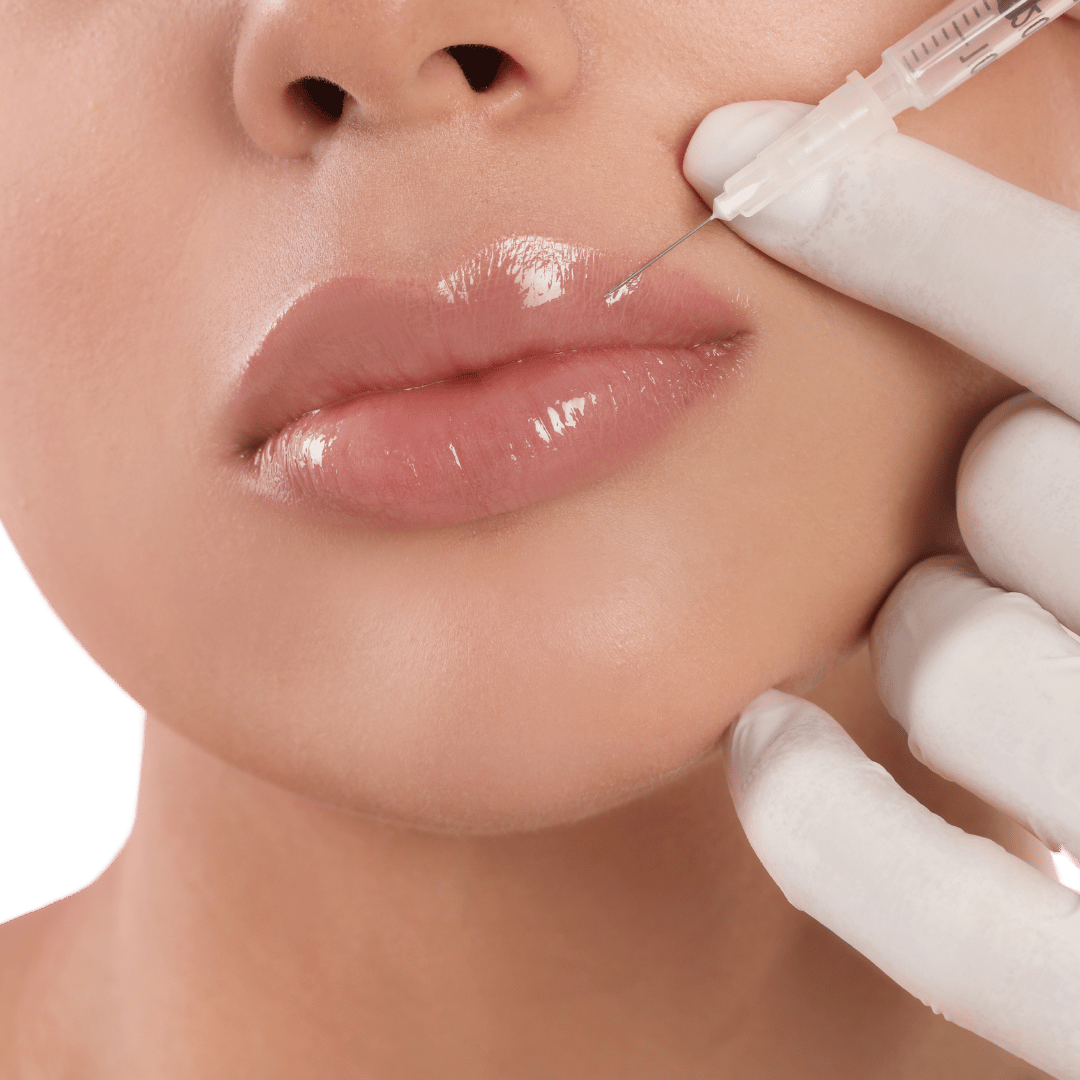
[{"x": 448, "y": 803}]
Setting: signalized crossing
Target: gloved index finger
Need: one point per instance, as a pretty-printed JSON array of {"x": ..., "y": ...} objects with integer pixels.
[
  {"x": 967, "y": 928},
  {"x": 907, "y": 228}
]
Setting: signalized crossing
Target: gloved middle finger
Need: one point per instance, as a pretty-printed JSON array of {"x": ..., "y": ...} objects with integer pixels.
[
  {"x": 987, "y": 685},
  {"x": 1018, "y": 500}
]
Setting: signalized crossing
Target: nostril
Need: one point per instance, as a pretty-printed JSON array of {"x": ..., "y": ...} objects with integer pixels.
[
  {"x": 319, "y": 97},
  {"x": 481, "y": 64}
]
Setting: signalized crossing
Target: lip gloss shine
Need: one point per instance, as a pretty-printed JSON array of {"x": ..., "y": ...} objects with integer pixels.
[{"x": 503, "y": 384}]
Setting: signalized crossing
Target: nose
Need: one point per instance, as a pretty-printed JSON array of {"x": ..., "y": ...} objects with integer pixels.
[{"x": 307, "y": 69}]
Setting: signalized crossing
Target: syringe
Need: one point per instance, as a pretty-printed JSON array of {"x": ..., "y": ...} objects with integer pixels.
[{"x": 941, "y": 55}]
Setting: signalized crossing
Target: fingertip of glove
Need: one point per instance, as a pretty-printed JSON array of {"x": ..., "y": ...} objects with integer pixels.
[
  {"x": 731, "y": 137},
  {"x": 760, "y": 726},
  {"x": 921, "y": 609}
]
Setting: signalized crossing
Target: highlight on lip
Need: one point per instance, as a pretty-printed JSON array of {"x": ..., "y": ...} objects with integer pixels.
[
  {"x": 540, "y": 267},
  {"x": 507, "y": 382}
]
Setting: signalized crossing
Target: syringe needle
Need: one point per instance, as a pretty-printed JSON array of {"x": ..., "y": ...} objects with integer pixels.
[{"x": 641, "y": 269}]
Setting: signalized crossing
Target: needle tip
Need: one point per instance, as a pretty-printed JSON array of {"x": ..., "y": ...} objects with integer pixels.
[{"x": 623, "y": 288}]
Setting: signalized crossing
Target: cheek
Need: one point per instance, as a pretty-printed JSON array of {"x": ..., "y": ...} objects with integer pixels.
[{"x": 97, "y": 197}]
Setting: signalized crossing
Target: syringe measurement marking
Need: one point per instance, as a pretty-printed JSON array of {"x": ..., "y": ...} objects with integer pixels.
[{"x": 927, "y": 51}]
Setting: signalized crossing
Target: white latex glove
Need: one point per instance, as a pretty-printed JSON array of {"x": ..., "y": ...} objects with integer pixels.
[{"x": 986, "y": 681}]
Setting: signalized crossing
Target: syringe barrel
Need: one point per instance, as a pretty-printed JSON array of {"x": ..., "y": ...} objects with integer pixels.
[
  {"x": 943, "y": 53},
  {"x": 962, "y": 40}
]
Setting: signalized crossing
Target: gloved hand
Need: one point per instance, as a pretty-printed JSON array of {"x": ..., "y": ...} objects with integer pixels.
[{"x": 985, "y": 678}]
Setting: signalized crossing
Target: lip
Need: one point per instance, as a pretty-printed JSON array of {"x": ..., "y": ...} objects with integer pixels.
[{"x": 507, "y": 382}]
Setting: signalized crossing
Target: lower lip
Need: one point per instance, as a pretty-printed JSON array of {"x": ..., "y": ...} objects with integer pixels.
[{"x": 493, "y": 443}]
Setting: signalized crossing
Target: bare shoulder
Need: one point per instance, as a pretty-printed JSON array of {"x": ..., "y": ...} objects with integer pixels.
[
  {"x": 22, "y": 942},
  {"x": 25, "y": 945}
]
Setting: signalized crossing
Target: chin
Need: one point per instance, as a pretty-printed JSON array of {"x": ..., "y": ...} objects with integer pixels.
[{"x": 495, "y": 757}]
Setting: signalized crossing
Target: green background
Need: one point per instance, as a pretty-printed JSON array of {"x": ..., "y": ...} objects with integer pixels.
[{"x": 68, "y": 740}]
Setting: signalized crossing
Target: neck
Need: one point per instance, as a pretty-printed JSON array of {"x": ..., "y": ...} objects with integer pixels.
[{"x": 248, "y": 932}]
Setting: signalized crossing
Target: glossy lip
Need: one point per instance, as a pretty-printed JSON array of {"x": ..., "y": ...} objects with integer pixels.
[{"x": 506, "y": 382}]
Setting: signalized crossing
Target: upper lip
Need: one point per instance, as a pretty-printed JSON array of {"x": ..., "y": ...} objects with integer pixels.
[{"x": 519, "y": 298}]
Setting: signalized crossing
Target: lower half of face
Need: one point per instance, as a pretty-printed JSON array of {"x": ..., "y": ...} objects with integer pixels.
[{"x": 516, "y": 668}]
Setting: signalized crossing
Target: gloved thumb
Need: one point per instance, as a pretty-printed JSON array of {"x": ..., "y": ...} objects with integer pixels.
[{"x": 912, "y": 230}]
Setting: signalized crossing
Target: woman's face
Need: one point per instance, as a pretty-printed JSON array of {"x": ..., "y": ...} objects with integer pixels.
[{"x": 517, "y": 644}]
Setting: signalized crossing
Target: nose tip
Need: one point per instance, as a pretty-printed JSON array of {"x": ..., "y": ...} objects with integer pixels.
[{"x": 307, "y": 69}]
